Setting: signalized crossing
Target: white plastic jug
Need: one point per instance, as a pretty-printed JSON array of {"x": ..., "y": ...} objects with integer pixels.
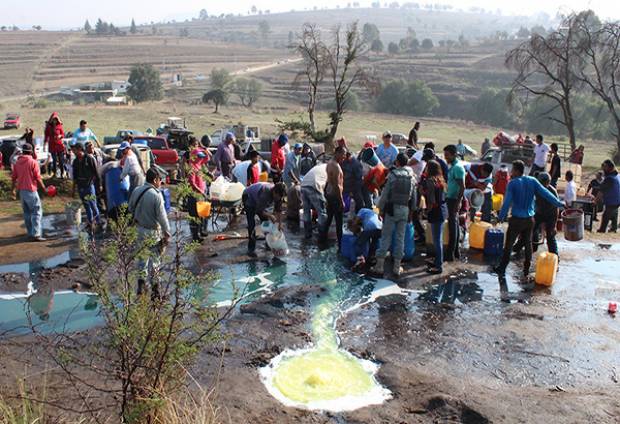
[
  {"x": 267, "y": 227},
  {"x": 233, "y": 192},
  {"x": 218, "y": 188},
  {"x": 277, "y": 243}
]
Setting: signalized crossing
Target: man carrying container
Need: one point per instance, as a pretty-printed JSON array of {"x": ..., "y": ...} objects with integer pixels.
[{"x": 257, "y": 198}]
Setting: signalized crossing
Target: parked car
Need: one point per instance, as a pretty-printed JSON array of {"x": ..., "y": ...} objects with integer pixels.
[
  {"x": 245, "y": 135},
  {"x": 12, "y": 120},
  {"x": 40, "y": 148},
  {"x": 121, "y": 136},
  {"x": 164, "y": 156},
  {"x": 505, "y": 155}
]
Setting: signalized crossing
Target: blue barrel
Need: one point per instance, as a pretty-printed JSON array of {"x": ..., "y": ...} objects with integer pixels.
[
  {"x": 370, "y": 157},
  {"x": 166, "y": 195},
  {"x": 117, "y": 191},
  {"x": 347, "y": 247},
  {"x": 494, "y": 242},
  {"x": 347, "y": 202}
]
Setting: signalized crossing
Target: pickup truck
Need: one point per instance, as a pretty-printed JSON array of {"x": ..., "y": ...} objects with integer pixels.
[
  {"x": 505, "y": 155},
  {"x": 164, "y": 156},
  {"x": 121, "y": 136},
  {"x": 12, "y": 120},
  {"x": 242, "y": 133}
]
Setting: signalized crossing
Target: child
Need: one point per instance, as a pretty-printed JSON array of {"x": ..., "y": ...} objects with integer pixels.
[{"x": 570, "y": 194}]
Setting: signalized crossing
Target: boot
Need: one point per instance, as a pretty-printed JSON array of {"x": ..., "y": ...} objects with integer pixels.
[
  {"x": 204, "y": 229},
  {"x": 396, "y": 268},
  {"x": 308, "y": 229},
  {"x": 195, "y": 229},
  {"x": 378, "y": 268}
]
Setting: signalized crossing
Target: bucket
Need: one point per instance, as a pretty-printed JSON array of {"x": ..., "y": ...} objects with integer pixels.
[
  {"x": 475, "y": 198},
  {"x": 572, "y": 221},
  {"x": 370, "y": 157},
  {"x": 203, "y": 209},
  {"x": 73, "y": 214}
]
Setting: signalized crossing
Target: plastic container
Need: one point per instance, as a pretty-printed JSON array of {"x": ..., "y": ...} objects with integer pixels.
[
  {"x": 546, "y": 268},
  {"x": 347, "y": 247},
  {"x": 494, "y": 242},
  {"x": 117, "y": 191},
  {"x": 263, "y": 177},
  {"x": 51, "y": 190},
  {"x": 572, "y": 221},
  {"x": 73, "y": 214},
  {"x": 477, "y": 231},
  {"x": 233, "y": 192},
  {"x": 167, "y": 200},
  {"x": 498, "y": 200},
  {"x": 428, "y": 235},
  {"x": 277, "y": 243},
  {"x": 218, "y": 187},
  {"x": 203, "y": 209},
  {"x": 370, "y": 157},
  {"x": 475, "y": 197}
]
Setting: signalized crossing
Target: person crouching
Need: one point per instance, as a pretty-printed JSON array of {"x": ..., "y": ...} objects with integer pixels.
[
  {"x": 367, "y": 226},
  {"x": 257, "y": 198}
]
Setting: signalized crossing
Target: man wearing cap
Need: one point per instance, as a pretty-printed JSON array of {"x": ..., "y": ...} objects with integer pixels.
[
  {"x": 225, "y": 155},
  {"x": 292, "y": 173},
  {"x": 83, "y": 134},
  {"x": 84, "y": 179},
  {"x": 131, "y": 167},
  {"x": 387, "y": 152},
  {"x": 149, "y": 211},
  {"x": 26, "y": 176}
]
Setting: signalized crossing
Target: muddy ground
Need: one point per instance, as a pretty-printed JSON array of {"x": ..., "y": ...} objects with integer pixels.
[{"x": 470, "y": 351}]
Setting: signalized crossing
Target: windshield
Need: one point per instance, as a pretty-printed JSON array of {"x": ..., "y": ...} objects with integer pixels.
[{"x": 157, "y": 144}]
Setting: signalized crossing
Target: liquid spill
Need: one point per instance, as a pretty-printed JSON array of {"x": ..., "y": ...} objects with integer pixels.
[{"x": 325, "y": 376}]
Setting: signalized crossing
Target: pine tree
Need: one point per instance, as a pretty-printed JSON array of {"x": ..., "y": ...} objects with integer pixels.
[
  {"x": 133, "y": 28},
  {"x": 87, "y": 26}
]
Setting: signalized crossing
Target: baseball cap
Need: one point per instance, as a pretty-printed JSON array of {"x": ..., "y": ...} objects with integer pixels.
[
  {"x": 124, "y": 145},
  {"x": 283, "y": 139},
  {"x": 369, "y": 144},
  {"x": 544, "y": 177},
  {"x": 298, "y": 146},
  {"x": 230, "y": 136},
  {"x": 387, "y": 134}
]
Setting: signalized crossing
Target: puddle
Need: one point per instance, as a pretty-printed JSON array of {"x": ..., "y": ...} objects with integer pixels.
[{"x": 34, "y": 267}]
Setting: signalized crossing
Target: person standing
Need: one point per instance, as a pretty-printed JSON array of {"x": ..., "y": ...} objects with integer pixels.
[
  {"x": 486, "y": 146},
  {"x": 97, "y": 154},
  {"x": 502, "y": 178},
  {"x": 480, "y": 176},
  {"x": 353, "y": 173},
  {"x": 291, "y": 174},
  {"x": 610, "y": 195},
  {"x": 397, "y": 201},
  {"x": 437, "y": 211},
  {"x": 198, "y": 158},
  {"x": 520, "y": 200},
  {"x": 570, "y": 194},
  {"x": 225, "y": 155},
  {"x": 54, "y": 135},
  {"x": 257, "y": 198},
  {"x": 387, "y": 152},
  {"x": 593, "y": 189},
  {"x": 278, "y": 156},
  {"x": 307, "y": 161},
  {"x": 454, "y": 195},
  {"x": 576, "y": 157},
  {"x": 412, "y": 141},
  {"x": 83, "y": 134},
  {"x": 26, "y": 177},
  {"x": 333, "y": 196},
  {"x": 149, "y": 212},
  {"x": 541, "y": 150},
  {"x": 463, "y": 150},
  {"x": 84, "y": 179},
  {"x": 556, "y": 165},
  {"x": 131, "y": 167},
  {"x": 313, "y": 197}
]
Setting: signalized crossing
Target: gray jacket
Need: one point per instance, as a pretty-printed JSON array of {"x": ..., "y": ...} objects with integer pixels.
[
  {"x": 399, "y": 189},
  {"x": 149, "y": 210}
]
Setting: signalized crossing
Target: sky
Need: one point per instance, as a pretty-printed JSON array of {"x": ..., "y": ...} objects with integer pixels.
[{"x": 72, "y": 13}]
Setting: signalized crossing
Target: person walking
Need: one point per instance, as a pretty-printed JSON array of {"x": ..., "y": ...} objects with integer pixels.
[
  {"x": 257, "y": 198},
  {"x": 149, "y": 212},
  {"x": 313, "y": 197},
  {"x": 225, "y": 155},
  {"x": 397, "y": 200},
  {"x": 541, "y": 150},
  {"x": 412, "y": 141},
  {"x": 437, "y": 211},
  {"x": 454, "y": 195},
  {"x": 556, "y": 165},
  {"x": 387, "y": 152},
  {"x": 131, "y": 167},
  {"x": 84, "y": 179},
  {"x": 610, "y": 195},
  {"x": 26, "y": 177},
  {"x": 520, "y": 201},
  {"x": 333, "y": 196},
  {"x": 54, "y": 135}
]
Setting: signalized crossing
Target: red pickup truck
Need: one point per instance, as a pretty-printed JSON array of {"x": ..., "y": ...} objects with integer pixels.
[
  {"x": 165, "y": 157},
  {"x": 12, "y": 120}
]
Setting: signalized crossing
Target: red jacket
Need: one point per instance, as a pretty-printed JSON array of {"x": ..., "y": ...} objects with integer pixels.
[
  {"x": 54, "y": 135},
  {"x": 501, "y": 181},
  {"x": 26, "y": 173},
  {"x": 278, "y": 157}
]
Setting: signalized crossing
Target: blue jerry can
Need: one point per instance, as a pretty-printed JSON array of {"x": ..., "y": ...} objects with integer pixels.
[
  {"x": 166, "y": 195},
  {"x": 494, "y": 242}
]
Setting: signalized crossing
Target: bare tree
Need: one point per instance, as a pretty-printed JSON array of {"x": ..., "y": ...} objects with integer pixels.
[
  {"x": 547, "y": 67},
  {"x": 600, "y": 45},
  {"x": 344, "y": 71},
  {"x": 314, "y": 56}
]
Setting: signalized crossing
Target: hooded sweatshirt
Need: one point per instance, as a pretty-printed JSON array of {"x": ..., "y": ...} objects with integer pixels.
[{"x": 54, "y": 135}]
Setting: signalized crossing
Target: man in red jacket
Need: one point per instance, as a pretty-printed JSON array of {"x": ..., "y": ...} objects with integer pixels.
[
  {"x": 26, "y": 177},
  {"x": 278, "y": 156}
]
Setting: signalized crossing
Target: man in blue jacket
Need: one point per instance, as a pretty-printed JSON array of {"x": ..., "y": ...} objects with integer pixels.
[
  {"x": 520, "y": 198},
  {"x": 610, "y": 194}
]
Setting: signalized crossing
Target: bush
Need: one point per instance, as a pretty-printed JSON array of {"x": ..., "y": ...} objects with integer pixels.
[
  {"x": 145, "y": 83},
  {"x": 407, "y": 98},
  {"x": 352, "y": 100}
]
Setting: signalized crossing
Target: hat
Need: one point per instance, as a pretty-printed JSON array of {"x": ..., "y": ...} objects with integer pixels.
[
  {"x": 124, "y": 146},
  {"x": 229, "y": 136},
  {"x": 369, "y": 144},
  {"x": 544, "y": 177},
  {"x": 27, "y": 148},
  {"x": 298, "y": 146},
  {"x": 387, "y": 134},
  {"x": 283, "y": 139},
  {"x": 428, "y": 154}
]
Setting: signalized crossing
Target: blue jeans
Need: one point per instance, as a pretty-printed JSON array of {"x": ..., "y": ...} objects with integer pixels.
[
  {"x": 33, "y": 212},
  {"x": 437, "y": 231},
  {"x": 367, "y": 236},
  {"x": 89, "y": 200}
]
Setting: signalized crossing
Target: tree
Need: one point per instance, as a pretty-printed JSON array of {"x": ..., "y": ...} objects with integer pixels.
[
  {"x": 87, "y": 26},
  {"x": 427, "y": 44},
  {"x": 547, "y": 67},
  {"x": 370, "y": 33},
  {"x": 450, "y": 44},
  {"x": 145, "y": 83},
  {"x": 254, "y": 10},
  {"x": 393, "y": 48},
  {"x": 101, "y": 27},
  {"x": 248, "y": 90},
  {"x": 492, "y": 108},
  {"x": 220, "y": 79},
  {"x": 217, "y": 97},
  {"x": 523, "y": 32},
  {"x": 407, "y": 98},
  {"x": 376, "y": 46},
  {"x": 539, "y": 30},
  {"x": 133, "y": 28},
  {"x": 264, "y": 29},
  {"x": 203, "y": 16}
]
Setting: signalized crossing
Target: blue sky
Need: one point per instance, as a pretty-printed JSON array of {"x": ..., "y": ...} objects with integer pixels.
[{"x": 73, "y": 13}]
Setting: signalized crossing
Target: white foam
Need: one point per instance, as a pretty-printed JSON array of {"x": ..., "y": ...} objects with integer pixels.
[{"x": 382, "y": 288}]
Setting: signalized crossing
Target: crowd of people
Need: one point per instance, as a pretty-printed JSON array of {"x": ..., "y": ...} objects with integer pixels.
[{"x": 383, "y": 189}]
